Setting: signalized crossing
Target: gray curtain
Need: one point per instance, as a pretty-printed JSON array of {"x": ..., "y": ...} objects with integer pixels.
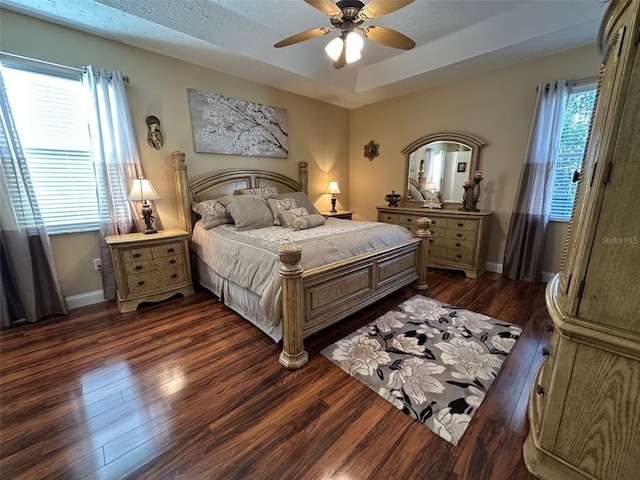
[
  {"x": 29, "y": 287},
  {"x": 116, "y": 163},
  {"x": 530, "y": 216}
]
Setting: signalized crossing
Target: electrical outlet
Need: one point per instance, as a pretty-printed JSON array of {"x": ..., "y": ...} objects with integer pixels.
[{"x": 97, "y": 264}]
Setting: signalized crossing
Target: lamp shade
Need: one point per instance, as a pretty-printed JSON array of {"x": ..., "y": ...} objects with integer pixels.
[
  {"x": 333, "y": 187},
  {"x": 334, "y": 48},
  {"x": 354, "y": 47},
  {"x": 142, "y": 190}
]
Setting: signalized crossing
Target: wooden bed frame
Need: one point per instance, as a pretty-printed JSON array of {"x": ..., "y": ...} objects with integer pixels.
[{"x": 318, "y": 297}]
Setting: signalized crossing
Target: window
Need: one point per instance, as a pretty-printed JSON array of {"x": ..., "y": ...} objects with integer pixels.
[
  {"x": 575, "y": 129},
  {"x": 50, "y": 116}
]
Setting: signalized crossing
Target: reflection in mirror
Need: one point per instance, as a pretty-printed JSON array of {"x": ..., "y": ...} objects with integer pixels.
[{"x": 437, "y": 167}]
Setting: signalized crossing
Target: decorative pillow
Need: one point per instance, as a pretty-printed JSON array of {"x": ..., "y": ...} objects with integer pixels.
[
  {"x": 308, "y": 221},
  {"x": 212, "y": 212},
  {"x": 288, "y": 216},
  {"x": 301, "y": 200},
  {"x": 264, "y": 192},
  {"x": 415, "y": 194},
  {"x": 249, "y": 212},
  {"x": 278, "y": 206}
]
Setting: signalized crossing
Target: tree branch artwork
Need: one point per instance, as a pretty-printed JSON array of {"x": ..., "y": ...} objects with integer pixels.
[{"x": 237, "y": 127}]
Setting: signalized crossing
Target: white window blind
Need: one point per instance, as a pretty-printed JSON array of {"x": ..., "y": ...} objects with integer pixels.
[
  {"x": 50, "y": 116},
  {"x": 575, "y": 129}
]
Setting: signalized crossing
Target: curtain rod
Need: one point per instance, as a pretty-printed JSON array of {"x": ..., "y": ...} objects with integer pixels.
[
  {"x": 58, "y": 65},
  {"x": 581, "y": 81}
]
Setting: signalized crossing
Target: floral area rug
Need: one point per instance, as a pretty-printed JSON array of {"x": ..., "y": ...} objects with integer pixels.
[{"x": 435, "y": 362}]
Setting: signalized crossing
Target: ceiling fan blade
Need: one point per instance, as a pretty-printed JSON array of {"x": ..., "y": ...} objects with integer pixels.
[
  {"x": 302, "y": 36},
  {"x": 342, "y": 59},
  {"x": 325, "y": 6},
  {"x": 377, "y": 8},
  {"x": 389, "y": 37}
]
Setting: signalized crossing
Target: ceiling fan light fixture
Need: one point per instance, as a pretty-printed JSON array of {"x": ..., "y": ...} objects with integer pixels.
[
  {"x": 334, "y": 48},
  {"x": 354, "y": 47}
]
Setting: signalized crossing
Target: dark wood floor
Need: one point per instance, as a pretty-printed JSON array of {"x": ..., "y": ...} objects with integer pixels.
[{"x": 187, "y": 389}]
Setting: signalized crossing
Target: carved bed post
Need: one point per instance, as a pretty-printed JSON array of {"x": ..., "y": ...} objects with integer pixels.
[
  {"x": 293, "y": 353},
  {"x": 423, "y": 251},
  {"x": 303, "y": 177},
  {"x": 182, "y": 191}
]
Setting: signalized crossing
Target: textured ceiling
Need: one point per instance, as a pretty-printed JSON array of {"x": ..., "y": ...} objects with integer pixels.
[{"x": 455, "y": 39}]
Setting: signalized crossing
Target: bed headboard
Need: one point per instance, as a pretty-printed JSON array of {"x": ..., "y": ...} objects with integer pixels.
[{"x": 226, "y": 182}]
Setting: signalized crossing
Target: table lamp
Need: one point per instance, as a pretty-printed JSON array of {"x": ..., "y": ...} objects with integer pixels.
[
  {"x": 143, "y": 191},
  {"x": 333, "y": 188}
]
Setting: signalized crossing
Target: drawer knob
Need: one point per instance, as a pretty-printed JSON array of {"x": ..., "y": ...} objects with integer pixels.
[
  {"x": 139, "y": 267},
  {"x": 171, "y": 250},
  {"x": 172, "y": 261},
  {"x": 136, "y": 255},
  {"x": 545, "y": 351},
  {"x": 461, "y": 224},
  {"x": 174, "y": 275},
  {"x": 430, "y": 241},
  {"x": 408, "y": 219},
  {"x": 458, "y": 256},
  {"x": 458, "y": 244},
  {"x": 539, "y": 390},
  {"x": 458, "y": 234},
  {"x": 141, "y": 282},
  {"x": 388, "y": 218}
]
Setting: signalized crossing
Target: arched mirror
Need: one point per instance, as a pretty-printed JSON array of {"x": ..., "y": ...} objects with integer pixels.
[{"x": 436, "y": 167}]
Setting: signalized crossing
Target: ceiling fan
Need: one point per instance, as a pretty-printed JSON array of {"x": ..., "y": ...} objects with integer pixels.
[{"x": 348, "y": 16}]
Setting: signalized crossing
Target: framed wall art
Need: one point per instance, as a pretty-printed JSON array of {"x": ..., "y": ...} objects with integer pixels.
[
  {"x": 462, "y": 167},
  {"x": 233, "y": 126}
]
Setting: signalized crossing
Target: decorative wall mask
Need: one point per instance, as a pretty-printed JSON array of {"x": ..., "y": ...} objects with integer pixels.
[
  {"x": 154, "y": 135},
  {"x": 371, "y": 150}
]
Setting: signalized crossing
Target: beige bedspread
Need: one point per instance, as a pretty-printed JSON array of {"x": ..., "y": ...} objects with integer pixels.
[{"x": 250, "y": 258}]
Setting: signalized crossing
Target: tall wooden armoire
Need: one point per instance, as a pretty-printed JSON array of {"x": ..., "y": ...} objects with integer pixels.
[{"x": 584, "y": 408}]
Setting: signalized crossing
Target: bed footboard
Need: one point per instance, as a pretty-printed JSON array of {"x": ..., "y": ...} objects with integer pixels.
[{"x": 319, "y": 297}]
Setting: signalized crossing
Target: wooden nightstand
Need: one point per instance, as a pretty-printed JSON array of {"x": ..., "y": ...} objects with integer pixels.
[
  {"x": 150, "y": 268},
  {"x": 345, "y": 214}
]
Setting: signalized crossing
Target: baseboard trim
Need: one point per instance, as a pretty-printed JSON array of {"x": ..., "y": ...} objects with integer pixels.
[
  {"x": 497, "y": 268},
  {"x": 494, "y": 267},
  {"x": 84, "y": 299}
]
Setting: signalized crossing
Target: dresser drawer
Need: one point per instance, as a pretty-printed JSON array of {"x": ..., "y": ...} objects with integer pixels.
[
  {"x": 462, "y": 235},
  {"x": 155, "y": 280},
  {"x": 166, "y": 250},
  {"x": 456, "y": 243},
  {"x": 458, "y": 224},
  {"x": 459, "y": 256},
  {"x": 437, "y": 253},
  {"x": 436, "y": 239},
  {"x": 393, "y": 218},
  {"x": 131, "y": 255}
]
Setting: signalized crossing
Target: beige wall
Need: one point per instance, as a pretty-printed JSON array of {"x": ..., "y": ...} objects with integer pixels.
[
  {"x": 318, "y": 132},
  {"x": 497, "y": 107}
]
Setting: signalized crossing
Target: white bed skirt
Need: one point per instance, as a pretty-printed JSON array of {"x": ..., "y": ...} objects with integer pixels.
[{"x": 240, "y": 300}]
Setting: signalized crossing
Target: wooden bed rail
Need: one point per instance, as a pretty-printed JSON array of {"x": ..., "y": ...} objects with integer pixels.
[{"x": 380, "y": 273}]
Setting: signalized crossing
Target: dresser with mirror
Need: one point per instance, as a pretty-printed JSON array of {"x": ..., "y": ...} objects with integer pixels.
[{"x": 436, "y": 169}]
